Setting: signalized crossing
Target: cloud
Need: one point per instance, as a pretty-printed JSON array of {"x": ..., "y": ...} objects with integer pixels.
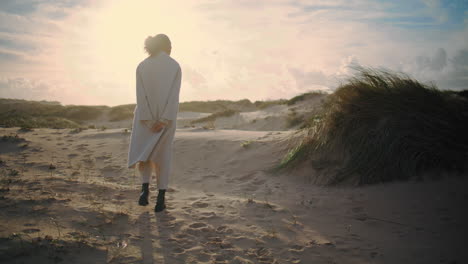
[
  {"x": 435, "y": 63},
  {"x": 436, "y": 10},
  {"x": 447, "y": 72},
  {"x": 23, "y": 88},
  {"x": 192, "y": 76},
  {"x": 55, "y": 9},
  {"x": 457, "y": 78},
  {"x": 264, "y": 49},
  {"x": 313, "y": 80},
  {"x": 6, "y": 56}
]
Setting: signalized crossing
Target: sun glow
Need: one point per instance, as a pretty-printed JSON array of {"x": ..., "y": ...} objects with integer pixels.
[{"x": 113, "y": 37}]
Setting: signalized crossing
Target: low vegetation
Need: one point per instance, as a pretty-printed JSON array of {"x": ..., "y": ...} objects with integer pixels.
[
  {"x": 382, "y": 126},
  {"x": 265, "y": 104},
  {"x": 33, "y": 114},
  {"x": 216, "y": 106},
  {"x": 293, "y": 119},
  {"x": 121, "y": 112},
  {"x": 304, "y": 96},
  {"x": 213, "y": 117}
]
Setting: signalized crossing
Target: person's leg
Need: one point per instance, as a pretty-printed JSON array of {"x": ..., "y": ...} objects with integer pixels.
[
  {"x": 163, "y": 159},
  {"x": 162, "y": 176},
  {"x": 160, "y": 201},
  {"x": 144, "y": 169},
  {"x": 164, "y": 169}
]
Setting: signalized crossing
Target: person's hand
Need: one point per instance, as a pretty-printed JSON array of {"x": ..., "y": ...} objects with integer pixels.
[{"x": 158, "y": 126}]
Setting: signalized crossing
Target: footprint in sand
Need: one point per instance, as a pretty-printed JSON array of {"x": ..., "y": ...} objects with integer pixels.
[
  {"x": 197, "y": 225},
  {"x": 197, "y": 229},
  {"x": 187, "y": 208},
  {"x": 104, "y": 156},
  {"x": 203, "y": 257},
  {"x": 178, "y": 250},
  {"x": 224, "y": 230},
  {"x": 246, "y": 178},
  {"x": 210, "y": 176},
  {"x": 207, "y": 215},
  {"x": 199, "y": 204},
  {"x": 296, "y": 249},
  {"x": 36, "y": 149},
  {"x": 249, "y": 188},
  {"x": 81, "y": 146},
  {"x": 259, "y": 181},
  {"x": 182, "y": 235}
]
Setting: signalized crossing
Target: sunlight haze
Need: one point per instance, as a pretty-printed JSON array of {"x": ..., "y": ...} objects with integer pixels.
[{"x": 86, "y": 52}]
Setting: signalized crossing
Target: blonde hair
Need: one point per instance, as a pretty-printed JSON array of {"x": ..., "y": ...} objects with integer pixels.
[{"x": 156, "y": 44}]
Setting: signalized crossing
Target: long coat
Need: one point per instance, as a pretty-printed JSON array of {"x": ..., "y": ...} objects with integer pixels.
[{"x": 158, "y": 80}]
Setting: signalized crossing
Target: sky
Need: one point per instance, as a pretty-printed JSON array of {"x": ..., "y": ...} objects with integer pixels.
[{"x": 85, "y": 52}]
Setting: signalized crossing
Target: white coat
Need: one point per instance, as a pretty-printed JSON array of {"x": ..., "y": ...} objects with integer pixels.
[{"x": 159, "y": 77}]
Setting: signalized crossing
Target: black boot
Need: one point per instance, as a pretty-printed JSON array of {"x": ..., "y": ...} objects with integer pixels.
[
  {"x": 144, "y": 194},
  {"x": 160, "y": 201}
]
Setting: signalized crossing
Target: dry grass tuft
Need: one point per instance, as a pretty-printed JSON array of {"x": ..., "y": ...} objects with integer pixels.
[
  {"x": 382, "y": 126},
  {"x": 213, "y": 117}
]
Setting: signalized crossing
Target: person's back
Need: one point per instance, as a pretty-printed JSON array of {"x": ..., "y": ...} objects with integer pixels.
[
  {"x": 156, "y": 77},
  {"x": 158, "y": 80}
]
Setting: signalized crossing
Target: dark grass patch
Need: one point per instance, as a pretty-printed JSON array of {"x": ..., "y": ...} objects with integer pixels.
[
  {"x": 216, "y": 106},
  {"x": 382, "y": 126},
  {"x": 29, "y": 121},
  {"x": 79, "y": 113},
  {"x": 294, "y": 119},
  {"x": 35, "y": 114},
  {"x": 265, "y": 104},
  {"x": 304, "y": 96},
  {"x": 121, "y": 112},
  {"x": 213, "y": 117}
]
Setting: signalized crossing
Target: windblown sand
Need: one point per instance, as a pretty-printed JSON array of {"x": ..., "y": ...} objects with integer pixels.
[{"x": 67, "y": 197}]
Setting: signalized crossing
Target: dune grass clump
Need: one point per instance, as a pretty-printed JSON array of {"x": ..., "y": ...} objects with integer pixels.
[
  {"x": 29, "y": 122},
  {"x": 294, "y": 119},
  {"x": 381, "y": 126},
  {"x": 265, "y": 104},
  {"x": 35, "y": 114},
  {"x": 304, "y": 96},
  {"x": 216, "y": 106},
  {"x": 78, "y": 113},
  {"x": 213, "y": 117},
  {"x": 121, "y": 112}
]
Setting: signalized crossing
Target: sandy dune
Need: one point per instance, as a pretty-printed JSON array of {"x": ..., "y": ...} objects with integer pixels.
[
  {"x": 68, "y": 197},
  {"x": 275, "y": 117}
]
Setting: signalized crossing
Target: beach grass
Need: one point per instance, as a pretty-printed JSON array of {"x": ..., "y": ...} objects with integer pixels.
[{"x": 382, "y": 126}]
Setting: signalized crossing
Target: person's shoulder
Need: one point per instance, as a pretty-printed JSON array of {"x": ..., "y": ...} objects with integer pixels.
[
  {"x": 141, "y": 64},
  {"x": 172, "y": 60},
  {"x": 175, "y": 64}
]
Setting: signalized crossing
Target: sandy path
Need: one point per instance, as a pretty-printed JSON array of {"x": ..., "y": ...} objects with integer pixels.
[{"x": 224, "y": 206}]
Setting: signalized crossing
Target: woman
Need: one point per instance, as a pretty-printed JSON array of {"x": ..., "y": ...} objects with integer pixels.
[{"x": 158, "y": 79}]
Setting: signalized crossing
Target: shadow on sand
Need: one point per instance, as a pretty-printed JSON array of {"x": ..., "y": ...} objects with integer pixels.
[{"x": 156, "y": 246}]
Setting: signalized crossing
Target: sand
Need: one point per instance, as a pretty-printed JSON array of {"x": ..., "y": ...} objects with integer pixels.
[{"x": 67, "y": 197}]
